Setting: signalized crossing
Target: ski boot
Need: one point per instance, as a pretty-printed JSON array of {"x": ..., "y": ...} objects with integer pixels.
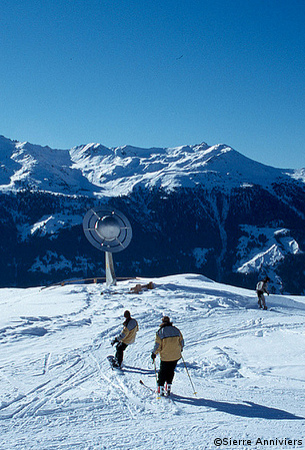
[
  {"x": 115, "y": 364},
  {"x": 168, "y": 389},
  {"x": 160, "y": 391}
]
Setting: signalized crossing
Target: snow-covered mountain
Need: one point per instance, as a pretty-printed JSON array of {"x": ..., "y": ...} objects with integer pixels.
[
  {"x": 97, "y": 170},
  {"x": 198, "y": 208},
  {"x": 246, "y": 365}
]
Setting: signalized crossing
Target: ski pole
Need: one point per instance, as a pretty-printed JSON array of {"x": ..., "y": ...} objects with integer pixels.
[
  {"x": 157, "y": 388},
  {"x": 156, "y": 372},
  {"x": 188, "y": 375}
]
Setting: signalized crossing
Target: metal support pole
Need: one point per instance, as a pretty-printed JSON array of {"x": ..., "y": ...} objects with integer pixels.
[{"x": 110, "y": 274}]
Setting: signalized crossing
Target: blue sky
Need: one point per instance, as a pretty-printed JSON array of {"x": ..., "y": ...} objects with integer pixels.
[{"x": 156, "y": 74}]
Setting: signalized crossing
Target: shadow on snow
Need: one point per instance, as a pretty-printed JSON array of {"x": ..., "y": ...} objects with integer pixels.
[
  {"x": 139, "y": 370},
  {"x": 246, "y": 409}
]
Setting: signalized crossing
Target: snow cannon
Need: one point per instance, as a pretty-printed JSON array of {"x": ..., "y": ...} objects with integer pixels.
[{"x": 108, "y": 230}]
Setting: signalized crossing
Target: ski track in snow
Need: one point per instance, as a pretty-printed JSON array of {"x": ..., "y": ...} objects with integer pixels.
[{"x": 58, "y": 391}]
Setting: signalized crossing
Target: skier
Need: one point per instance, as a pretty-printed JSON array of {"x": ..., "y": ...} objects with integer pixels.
[
  {"x": 261, "y": 288},
  {"x": 169, "y": 344},
  {"x": 125, "y": 338}
]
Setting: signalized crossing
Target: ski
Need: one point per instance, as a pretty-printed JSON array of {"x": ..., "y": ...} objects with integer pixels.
[
  {"x": 158, "y": 396},
  {"x": 154, "y": 391},
  {"x": 147, "y": 387}
]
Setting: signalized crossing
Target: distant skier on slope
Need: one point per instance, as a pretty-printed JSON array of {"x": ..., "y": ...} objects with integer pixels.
[
  {"x": 125, "y": 338},
  {"x": 169, "y": 344},
  {"x": 261, "y": 288}
]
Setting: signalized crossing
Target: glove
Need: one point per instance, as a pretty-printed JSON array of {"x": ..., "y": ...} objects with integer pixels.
[
  {"x": 114, "y": 341},
  {"x": 153, "y": 356}
]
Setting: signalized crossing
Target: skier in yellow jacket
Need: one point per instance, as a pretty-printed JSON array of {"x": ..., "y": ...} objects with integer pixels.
[
  {"x": 125, "y": 338},
  {"x": 169, "y": 344}
]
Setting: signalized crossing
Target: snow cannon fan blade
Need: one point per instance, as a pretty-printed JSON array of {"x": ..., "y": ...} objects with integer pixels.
[{"x": 108, "y": 230}]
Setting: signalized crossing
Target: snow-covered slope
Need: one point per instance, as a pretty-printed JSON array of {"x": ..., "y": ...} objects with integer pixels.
[
  {"x": 58, "y": 392},
  {"x": 93, "y": 168}
]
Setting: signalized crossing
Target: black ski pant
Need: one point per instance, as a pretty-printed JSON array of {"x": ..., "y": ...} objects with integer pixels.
[
  {"x": 166, "y": 372},
  {"x": 120, "y": 348},
  {"x": 261, "y": 299}
]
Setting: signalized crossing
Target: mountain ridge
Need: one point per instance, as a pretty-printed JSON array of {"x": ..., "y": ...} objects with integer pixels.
[
  {"x": 204, "y": 209},
  {"x": 101, "y": 171}
]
